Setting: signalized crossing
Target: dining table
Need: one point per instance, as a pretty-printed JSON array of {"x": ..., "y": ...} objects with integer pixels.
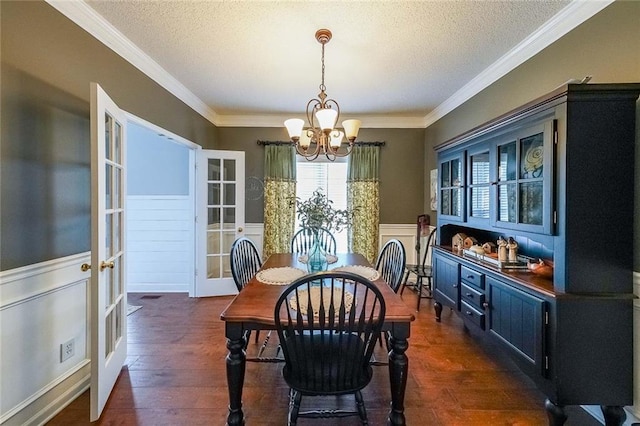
[{"x": 253, "y": 309}]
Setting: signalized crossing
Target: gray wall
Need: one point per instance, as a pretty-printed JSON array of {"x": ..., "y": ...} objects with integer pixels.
[
  {"x": 607, "y": 46},
  {"x": 401, "y": 167},
  {"x": 47, "y": 63}
]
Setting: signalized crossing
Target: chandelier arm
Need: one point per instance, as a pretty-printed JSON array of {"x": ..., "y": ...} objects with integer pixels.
[
  {"x": 309, "y": 156},
  {"x": 335, "y": 152},
  {"x": 313, "y": 140},
  {"x": 312, "y": 106}
]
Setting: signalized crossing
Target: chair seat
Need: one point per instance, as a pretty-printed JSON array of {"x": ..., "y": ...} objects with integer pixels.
[
  {"x": 419, "y": 270},
  {"x": 307, "y": 371}
]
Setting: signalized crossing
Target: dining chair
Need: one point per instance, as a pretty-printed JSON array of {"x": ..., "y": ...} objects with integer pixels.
[
  {"x": 245, "y": 264},
  {"x": 328, "y": 324},
  {"x": 245, "y": 261},
  {"x": 303, "y": 240},
  {"x": 422, "y": 271},
  {"x": 391, "y": 264}
]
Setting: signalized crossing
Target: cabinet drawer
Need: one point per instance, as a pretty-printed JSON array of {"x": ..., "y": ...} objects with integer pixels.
[
  {"x": 472, "y": 296},
  {"x": 471, "y": 314},
  {"x": 472, "y": 277}
]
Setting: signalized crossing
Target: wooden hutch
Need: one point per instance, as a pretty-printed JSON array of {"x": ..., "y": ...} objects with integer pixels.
[{"x": 556, "y": 175}]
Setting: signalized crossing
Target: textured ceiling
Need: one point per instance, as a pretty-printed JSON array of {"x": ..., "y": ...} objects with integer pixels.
[{"x": 390, "y": 58}]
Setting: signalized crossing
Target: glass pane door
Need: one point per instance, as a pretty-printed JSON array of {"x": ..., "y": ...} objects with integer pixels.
[
  {"x": 479, "y": 182},
  {"x": 451, "y": 188},
  {"x": 221, "y": 205}
]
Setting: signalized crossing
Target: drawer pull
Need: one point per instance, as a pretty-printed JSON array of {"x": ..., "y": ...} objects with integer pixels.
[
  {"x": 469, "y": 294},
  {"x": 469, "y": 277},
  {"x": 469, "y": 313}
]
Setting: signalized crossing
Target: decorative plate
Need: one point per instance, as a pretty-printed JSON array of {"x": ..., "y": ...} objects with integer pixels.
[
  {"x": 330, "y": 259},
  {"x": 304, "y": 297},
  {"x": 364, "y": 271},
  {"x": 280, "y": 276}
]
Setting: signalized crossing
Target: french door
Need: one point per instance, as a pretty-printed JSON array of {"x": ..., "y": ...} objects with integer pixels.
[
  {"x": 108, "y": 305},
  {"x": 220, "y": 206}
]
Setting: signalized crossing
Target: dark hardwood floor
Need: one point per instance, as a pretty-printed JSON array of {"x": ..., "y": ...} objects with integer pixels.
[{"x": 175, "y": 375}]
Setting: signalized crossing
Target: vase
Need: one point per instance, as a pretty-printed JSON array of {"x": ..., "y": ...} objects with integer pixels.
[{"x": 317, "y": 256}]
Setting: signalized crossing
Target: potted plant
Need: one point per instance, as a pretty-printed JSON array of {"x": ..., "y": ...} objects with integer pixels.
[{"x": 318, "y": 212}]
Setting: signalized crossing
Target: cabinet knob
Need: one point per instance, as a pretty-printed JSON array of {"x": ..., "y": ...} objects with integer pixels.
[
  {"x": 485, "y": 305},
  {"x": 455, "y": 286}
]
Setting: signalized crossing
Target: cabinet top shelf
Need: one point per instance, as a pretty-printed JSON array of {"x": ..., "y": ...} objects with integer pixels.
[{"x": 563, "y": 93}]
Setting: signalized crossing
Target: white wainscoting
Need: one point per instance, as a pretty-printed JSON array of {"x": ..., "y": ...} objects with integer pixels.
[
  {"x": 42, "y": 306},
  {"x": 160, "y": 244},
  {"x": 255, "y": 232}
]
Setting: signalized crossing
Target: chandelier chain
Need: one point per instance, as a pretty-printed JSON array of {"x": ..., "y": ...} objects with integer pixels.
[{"x": 322, "y": 86}]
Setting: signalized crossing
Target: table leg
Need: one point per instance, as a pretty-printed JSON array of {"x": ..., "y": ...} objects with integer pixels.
[
  {"x": 398, "y": 368},
  {"x": 236, "y": 364}
]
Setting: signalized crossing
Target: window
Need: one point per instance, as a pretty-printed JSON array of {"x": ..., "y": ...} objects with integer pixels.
[{"x": 332, "y": 178}]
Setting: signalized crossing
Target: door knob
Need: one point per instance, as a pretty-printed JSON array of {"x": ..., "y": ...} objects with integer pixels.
[
  {"x": 85, "y": 267},
  {"x": 240, "y": 229},
  {"x": 105, "y": 265}
]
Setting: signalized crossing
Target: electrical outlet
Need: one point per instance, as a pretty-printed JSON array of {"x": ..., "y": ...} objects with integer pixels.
[{"x": 67, "y": 350}]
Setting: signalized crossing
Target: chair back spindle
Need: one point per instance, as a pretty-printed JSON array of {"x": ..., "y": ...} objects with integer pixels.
[
  {"x": 245, "y": 261},
  {"x": 391, "y": 263},
  {"x": 303, "y": 240}
]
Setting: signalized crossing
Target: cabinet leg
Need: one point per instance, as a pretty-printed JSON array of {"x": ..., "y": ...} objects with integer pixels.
[
  {"x": 614, "y": 415},
  {"x": 555, "y": 413},
  {"x": 437, "y": 306}
]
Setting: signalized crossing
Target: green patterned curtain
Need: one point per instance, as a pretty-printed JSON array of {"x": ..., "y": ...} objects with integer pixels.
[
  {"x": 363, "y": 200},
  {"x": 279, "y": 198}
]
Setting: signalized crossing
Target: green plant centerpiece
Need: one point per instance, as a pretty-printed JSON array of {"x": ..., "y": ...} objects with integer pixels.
[
  {"x": 318, "y": 212},
  {"x": 315, "y": 213}
]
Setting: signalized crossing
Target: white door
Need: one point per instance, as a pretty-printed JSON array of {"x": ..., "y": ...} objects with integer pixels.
[
  {"x": 220, "y": 206},
  {"x": 108, "y": 287}
]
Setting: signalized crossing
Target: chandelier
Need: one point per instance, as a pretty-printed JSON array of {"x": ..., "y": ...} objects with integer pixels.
[{"x": 321, "y": 136}]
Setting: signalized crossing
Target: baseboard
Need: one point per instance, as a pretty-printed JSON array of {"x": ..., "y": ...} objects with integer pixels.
[{"x": 51, "y": 400}]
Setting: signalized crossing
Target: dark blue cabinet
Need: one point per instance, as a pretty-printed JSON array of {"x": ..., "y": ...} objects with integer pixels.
[{"x": 556, "y": 175}]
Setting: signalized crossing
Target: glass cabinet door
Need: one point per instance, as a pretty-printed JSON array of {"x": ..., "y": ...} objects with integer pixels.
[
  {"x": 450, "y": 188},
  {"x": 479, "y": 184},
  {"x": 524, "y": 177}
]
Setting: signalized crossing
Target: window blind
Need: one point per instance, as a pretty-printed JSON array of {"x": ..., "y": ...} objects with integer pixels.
[{"x": 332, "y": 179}]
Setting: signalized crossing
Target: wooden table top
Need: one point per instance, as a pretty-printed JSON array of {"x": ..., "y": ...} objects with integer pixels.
[{"x": 255, "y": 303}]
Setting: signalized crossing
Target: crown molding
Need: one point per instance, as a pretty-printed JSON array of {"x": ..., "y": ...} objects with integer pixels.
[
  {"x": 368, "y": 121},
  {"x": 564, "y": 21},
  {"x": 87, "y": 19}
]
